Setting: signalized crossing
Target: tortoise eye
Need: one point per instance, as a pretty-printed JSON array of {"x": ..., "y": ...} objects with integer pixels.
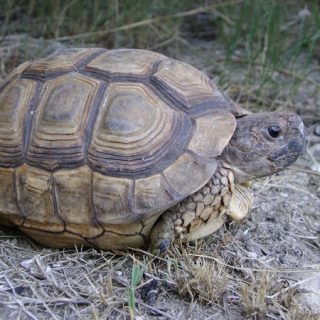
[{"x": 274, "y": 131}]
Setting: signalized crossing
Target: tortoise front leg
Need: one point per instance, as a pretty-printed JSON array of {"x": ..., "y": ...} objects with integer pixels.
[{"x": 202, "y": 213}]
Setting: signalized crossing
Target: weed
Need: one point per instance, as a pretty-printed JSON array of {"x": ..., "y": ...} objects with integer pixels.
[{"x": 136, "y": 276}]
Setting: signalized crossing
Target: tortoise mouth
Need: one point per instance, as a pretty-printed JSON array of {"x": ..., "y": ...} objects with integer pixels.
[{"x": 287, "y": 154}]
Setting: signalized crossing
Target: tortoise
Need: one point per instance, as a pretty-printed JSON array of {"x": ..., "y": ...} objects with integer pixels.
[{"x": 129, "y": 148}]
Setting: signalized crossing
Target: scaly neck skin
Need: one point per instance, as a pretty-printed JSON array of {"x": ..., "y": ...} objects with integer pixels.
[{"x": 239, "y": 176}]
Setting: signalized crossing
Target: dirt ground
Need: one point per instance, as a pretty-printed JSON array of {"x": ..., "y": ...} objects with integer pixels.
[{"x": 267, "y": 267}]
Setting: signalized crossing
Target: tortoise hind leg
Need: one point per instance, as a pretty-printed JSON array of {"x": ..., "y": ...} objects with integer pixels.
[{"x": 163, "y": 232}]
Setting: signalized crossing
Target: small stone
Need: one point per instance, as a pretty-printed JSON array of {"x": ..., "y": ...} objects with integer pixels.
[
  {"x": 200, "y": 208},
  {"x": 188, "y": 217},
  {"x": 182, "y": 209},
  {"x": 208, "y": 199},
  {"x": 197, "y": 197},
  {"x": 224, "y": 181},
  {"x": 205, "y": 190},
  {"x": 206, "y": 213}
]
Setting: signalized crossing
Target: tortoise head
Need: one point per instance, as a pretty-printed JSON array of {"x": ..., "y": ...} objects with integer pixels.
[{"x": 264, "y": 143}]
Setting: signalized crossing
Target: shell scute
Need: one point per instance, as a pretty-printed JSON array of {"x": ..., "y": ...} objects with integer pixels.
[
  {"x": 132, "y": 63},
  {"x": 212, "y": 133},
  {"x": 35, "y": 196},
  {"x": 64, "y": 109},
  {"x": 189, "y": 87},
  {"x": 74, "y": 202},
  {"x": 136, "y": 134},
  {"x": 15, "y": 99},
  {"x": 61, "y": 61},
  {"x": 8, "y": 199},
  {"x": 178, "y": 174},
  {"x": 111, "y": 198},
  {"x": 152, "y": 194}
]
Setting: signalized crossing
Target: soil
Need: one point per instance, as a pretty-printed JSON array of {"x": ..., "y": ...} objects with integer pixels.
[{"x": 266, "y": 267}]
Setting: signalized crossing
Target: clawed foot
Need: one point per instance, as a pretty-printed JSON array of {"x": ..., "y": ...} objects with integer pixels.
[{"x": 161, "y": 248}]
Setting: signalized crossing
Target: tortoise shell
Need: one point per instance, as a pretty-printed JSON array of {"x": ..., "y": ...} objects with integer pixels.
[{"x": 96, "y": 142}]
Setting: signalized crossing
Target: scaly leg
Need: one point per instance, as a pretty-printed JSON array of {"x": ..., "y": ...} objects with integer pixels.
[{"x": 202, "y": 213}]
